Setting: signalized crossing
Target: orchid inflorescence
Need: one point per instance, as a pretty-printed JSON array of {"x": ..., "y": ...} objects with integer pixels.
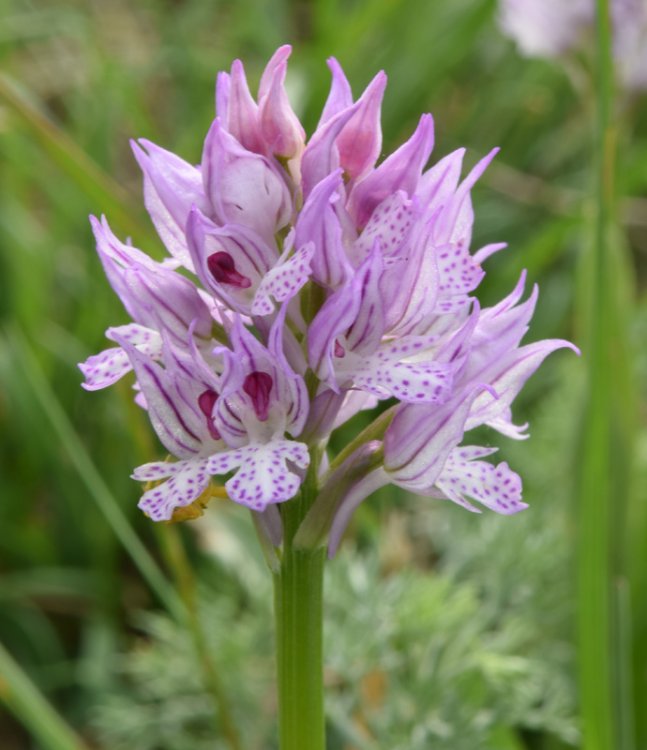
[{"x": 304, "y": 284}]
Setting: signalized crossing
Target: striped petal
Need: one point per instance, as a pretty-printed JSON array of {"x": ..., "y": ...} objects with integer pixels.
[
  {"x": 400, "y": 171},
  {"x": 171, "y": 187},
  {"x": 319, "y": 222},
  {"x": 175, "y": 416}
]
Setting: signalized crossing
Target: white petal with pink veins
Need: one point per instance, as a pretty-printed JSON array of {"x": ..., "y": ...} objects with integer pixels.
[
  {"x": 263, "y": 475},
  {"x": 283, "y": 281}
]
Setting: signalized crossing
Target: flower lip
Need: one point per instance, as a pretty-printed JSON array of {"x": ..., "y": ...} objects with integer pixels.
[
  {"x": 223, "y": 269},
  {"x": 258, "y": 386}
]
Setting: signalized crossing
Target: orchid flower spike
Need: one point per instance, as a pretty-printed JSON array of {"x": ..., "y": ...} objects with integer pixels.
[{"x": 307, "y": 280}]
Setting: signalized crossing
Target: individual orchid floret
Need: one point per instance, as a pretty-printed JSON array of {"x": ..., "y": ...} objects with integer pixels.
[
  {"x": 243, "y": 187},
  {"x": 241, "y": 270},
  {"x": 348, "y": 135},
  {"x": 157, "y": 299},
  {"x": 262, "y": 396},
  {"x": 422, "y": 454},
  {"x": 324, "y": 222},
  {"x": 268, "y": 126},
  {"x": 232, "y": 185},
  {"x": 346, "y": 346},
  {"x": 216, "y": 425},
  {"x": 430, "y": 271}
]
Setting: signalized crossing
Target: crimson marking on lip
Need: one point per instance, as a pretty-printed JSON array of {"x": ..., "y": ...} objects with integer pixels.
[{"x": 223, "y": 269}]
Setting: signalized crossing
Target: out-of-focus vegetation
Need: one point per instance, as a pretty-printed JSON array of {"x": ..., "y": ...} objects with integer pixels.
[{"x": 444, "y": 629}]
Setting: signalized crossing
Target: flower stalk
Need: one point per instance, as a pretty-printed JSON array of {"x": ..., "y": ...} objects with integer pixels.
[{"x": 298, "y": 605}]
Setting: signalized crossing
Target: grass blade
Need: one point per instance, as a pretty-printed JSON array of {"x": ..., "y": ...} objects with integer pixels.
[
  {"x": 25, "y": 701},
  {"x": 72, "y": 159},
  {"x": 606, "y": 445}
]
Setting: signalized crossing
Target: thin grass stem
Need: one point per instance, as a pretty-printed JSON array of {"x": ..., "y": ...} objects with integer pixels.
[{"x": 30, "y": 707}]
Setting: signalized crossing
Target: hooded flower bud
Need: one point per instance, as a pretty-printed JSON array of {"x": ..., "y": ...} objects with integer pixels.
[
  {"x": 243, "y": 187},
  {"x": 281, "y": 128}
]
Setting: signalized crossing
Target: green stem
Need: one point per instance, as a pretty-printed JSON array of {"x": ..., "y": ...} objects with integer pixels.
[
  {"x": 298, "y": 605},
  {"x": 606, "y": 447},
  {"x": 374, "y": 431},
  {"x": 594, "y": 554}
]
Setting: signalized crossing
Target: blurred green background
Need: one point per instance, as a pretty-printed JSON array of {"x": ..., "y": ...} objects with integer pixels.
[{"x": 444, "y": 630}]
